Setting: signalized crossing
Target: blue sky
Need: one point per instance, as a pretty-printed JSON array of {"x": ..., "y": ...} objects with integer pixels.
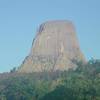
[{"x": 19, "y": 20}]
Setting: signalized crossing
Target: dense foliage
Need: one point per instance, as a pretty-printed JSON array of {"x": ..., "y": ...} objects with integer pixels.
[{"x": 80, "y": 84}]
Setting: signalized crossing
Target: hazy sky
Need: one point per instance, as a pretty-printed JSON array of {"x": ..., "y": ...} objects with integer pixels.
[{"x": 19, "y": 20}]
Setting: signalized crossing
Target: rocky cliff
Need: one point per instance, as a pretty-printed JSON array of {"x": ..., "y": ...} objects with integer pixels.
[{"x": 54, "y": 48}]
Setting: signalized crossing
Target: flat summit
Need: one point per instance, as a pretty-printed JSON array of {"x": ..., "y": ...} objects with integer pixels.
[{"x": 54, "y": 48}]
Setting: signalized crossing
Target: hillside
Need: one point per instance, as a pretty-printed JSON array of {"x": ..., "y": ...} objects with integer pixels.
[{"x": 80, "y": 84}]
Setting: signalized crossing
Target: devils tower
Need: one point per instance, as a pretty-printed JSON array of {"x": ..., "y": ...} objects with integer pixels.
[{"x": 54, "y": 47}]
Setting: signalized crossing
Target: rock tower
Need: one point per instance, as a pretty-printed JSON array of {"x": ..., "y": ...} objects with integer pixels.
[{"x": 54, "y": 47}]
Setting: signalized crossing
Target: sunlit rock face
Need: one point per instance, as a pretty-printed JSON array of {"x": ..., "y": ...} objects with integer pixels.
[{"x": 54, "y": 48}]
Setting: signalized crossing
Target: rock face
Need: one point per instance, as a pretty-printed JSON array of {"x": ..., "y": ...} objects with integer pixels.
[{"x": 54, "y": 48}]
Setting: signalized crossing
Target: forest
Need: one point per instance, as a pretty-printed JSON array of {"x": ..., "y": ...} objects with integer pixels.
[{"x": 83, "y": 83}]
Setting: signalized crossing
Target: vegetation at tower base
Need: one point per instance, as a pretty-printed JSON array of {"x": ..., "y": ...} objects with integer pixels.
[{"x": 80, "y": 84}]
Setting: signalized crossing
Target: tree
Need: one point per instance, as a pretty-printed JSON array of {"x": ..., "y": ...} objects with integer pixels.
[{"x": 13, "y": 70}]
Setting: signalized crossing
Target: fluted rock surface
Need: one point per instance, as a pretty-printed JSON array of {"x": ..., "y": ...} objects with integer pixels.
[{"x": 54, "y": 48}]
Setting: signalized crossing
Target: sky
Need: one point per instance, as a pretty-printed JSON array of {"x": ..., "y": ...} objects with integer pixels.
[{"x": 20, "y": 19}]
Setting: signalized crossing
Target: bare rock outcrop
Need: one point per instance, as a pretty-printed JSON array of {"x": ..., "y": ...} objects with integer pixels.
[{"x": 54, "y": 48}]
